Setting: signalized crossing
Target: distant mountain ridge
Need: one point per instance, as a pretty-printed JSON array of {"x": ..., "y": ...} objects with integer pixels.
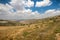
[{"x": 28, "y": 21}]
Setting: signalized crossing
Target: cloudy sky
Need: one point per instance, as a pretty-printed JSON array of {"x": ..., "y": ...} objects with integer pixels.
[{"x": 28, "y": 9}]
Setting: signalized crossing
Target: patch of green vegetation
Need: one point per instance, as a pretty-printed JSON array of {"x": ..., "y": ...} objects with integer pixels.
[
  {"x": 25, "y": 33},
  {"x": 57, "y": 30}
]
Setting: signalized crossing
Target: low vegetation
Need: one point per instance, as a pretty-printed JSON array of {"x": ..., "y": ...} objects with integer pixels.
[{"x": 35, "y": 29}]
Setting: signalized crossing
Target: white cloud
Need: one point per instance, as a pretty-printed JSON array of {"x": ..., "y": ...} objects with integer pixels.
[
  {"x": 50, "y": 13},
  {"x": 29, "y": 3},
  {"x": 43, "y": 3},
  {"x": 26, "y": 14},
  {"x": 18, "y": 4},
  {"x": 23, "y": 13},
  {"x": 21, "y": 4},
  {"x": 5, "y": 13},
  {"x": 53, "y": 12},
  {"x": 5, "y": 7}
]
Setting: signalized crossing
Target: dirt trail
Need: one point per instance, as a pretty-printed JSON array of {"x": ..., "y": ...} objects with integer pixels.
[{"x": 18, "y": 32}]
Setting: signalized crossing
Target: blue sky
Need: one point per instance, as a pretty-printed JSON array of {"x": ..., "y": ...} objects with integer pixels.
[
  {"x": 4, "y": 1},
  {"x": 33, "y": 6},
  {"x": 55, "y": 5}
]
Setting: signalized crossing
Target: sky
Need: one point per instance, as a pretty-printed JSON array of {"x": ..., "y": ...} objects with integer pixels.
[{"x": 28, "y": 9}]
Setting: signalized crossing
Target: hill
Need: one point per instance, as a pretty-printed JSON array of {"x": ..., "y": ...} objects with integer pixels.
[
  {"x": 24, "y": 22},
  {"x": 34, "y": 29}
]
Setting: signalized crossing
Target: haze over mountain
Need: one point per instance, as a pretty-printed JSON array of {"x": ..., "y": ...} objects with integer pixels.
[{"x": 26, "y": 21}]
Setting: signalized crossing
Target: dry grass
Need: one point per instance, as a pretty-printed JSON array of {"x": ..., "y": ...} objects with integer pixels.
[{"x": 45, "y": 29}]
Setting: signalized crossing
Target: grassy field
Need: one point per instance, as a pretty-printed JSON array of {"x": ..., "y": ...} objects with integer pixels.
[{"x": 45, "y": 29}]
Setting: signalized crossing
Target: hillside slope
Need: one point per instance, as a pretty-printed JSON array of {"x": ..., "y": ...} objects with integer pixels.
[{"x": 39, "y": 29}]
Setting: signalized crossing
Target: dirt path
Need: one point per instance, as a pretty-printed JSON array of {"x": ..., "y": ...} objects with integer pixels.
[{"x": 19, "y": 31}]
